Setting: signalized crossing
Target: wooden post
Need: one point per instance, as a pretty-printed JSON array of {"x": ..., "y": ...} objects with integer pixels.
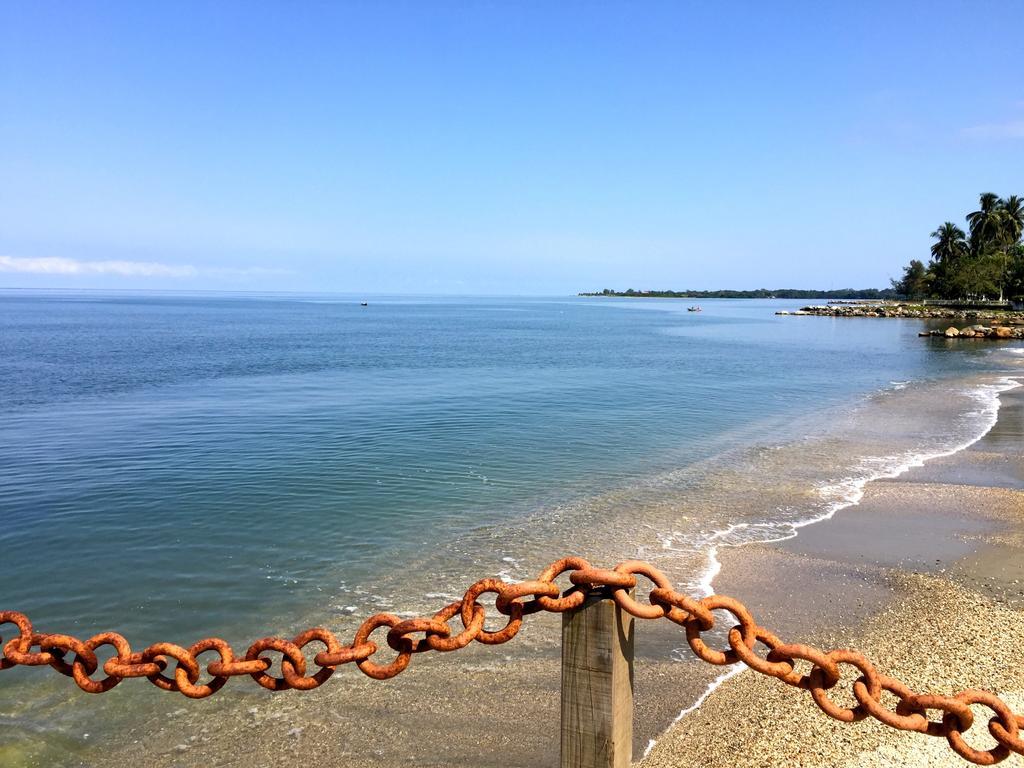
[{"x": 597, "y": 685}]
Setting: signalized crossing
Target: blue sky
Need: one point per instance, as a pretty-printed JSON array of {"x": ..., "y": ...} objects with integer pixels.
[{"x": 527, "y": 148}]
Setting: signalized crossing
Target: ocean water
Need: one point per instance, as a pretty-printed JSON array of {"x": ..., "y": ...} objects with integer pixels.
[{"x": 174, "y": 466}]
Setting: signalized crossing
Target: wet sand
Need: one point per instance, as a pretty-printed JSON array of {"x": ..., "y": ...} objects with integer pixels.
[{"x": 925, "y": 576}]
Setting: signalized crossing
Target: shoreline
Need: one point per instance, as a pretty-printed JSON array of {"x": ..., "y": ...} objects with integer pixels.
[
  {"x": 959, "y": 544},
  {"x": 855, "y": 497}
]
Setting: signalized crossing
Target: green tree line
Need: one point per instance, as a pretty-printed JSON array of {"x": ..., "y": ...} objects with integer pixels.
[
  {"x": 984, "y": 262},
  {"x": 759, "y": 293}
]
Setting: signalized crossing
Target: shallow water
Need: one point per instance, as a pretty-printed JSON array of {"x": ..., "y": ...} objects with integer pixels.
[{"x": 176, "y": 466}]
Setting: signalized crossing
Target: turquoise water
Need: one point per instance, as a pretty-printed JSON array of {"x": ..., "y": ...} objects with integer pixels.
[{"x": 177, "y": 466}]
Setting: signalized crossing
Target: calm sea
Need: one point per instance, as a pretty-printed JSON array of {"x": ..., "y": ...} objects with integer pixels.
[{"x": 176, "y": 466}]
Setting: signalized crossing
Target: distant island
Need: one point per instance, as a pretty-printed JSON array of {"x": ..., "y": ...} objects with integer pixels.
[{"x": 869, "y": 294}]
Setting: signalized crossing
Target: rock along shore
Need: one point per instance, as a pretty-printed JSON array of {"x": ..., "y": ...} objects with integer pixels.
[
  {"x": 909, "y": 310},
  {"x": 978, "y": 332}
]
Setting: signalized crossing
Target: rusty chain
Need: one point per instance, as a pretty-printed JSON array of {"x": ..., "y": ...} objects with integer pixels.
[{"x": 695, "y": 616}]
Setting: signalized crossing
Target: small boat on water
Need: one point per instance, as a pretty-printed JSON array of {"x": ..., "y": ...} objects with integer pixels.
[
  {"x": 363, "y": 304},
  {"x": 694, "y": 309}
]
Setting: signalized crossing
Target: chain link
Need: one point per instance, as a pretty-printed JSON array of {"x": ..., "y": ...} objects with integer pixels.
[{"x": 514, "y": 601}]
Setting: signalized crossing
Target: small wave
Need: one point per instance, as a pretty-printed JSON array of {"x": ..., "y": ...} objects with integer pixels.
[
  {"x": 849, "y": 491},
  {"x": 513, "y": 571}
]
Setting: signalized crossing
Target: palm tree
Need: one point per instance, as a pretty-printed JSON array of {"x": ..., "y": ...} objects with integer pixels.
[
  {"x": 1008, "y": 221},
  {"x": 985, "y": 223},
  {"x": 949, "y": 251},
  {"x": 950, "y": 245},
  {"x": 1012, "y": 219}
]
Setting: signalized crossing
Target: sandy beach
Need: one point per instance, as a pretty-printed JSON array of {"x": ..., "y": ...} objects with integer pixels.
[{"x": 934, "y": 599}]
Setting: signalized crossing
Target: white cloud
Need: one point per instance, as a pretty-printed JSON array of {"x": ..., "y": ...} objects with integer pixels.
[
  {"x": 62, "y": 266},
  {"x": 1012, "y": 129}
]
